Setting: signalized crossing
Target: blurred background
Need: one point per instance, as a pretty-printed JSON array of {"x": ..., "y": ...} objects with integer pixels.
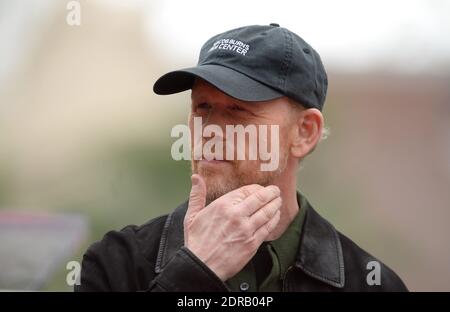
[{"x": 85, "y": 144}]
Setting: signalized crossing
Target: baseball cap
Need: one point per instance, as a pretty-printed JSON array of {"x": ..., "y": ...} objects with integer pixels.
[{"x": 255, "y": 63}]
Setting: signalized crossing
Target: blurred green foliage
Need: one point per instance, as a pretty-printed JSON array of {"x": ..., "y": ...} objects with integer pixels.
[{"x": 145, "y": 183}]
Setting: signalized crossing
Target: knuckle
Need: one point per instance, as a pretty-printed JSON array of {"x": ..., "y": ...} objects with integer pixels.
[
  {"x": 235, "y": 221},
  {"x": 260, "y": 196},
  {"x": 255, "y": 187},
  {"x": 248, "y": 190},
  {"x": 266, "y": 216},
  {"x": 246, "y": 229},
  {"x": 273, "y": 207},
  {"x": 268, "y": 213}
]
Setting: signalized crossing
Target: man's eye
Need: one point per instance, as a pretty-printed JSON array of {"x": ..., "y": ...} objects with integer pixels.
[
  {"x": 203, "y": 106},
  {"x": 237, "y": 108}
]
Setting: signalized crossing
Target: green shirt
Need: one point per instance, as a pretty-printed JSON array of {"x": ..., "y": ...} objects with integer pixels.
[{"x": 267, "y": 269}]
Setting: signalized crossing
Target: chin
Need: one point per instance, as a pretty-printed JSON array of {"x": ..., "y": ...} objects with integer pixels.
[{"x": 218, "y": 183}]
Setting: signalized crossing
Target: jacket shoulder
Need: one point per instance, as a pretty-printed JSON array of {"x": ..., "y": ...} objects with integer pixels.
[
  {"x": 364, "y": 272},
  {"x": 122, "y": 260}
]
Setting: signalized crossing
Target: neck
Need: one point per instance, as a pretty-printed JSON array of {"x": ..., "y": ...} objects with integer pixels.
[{"x": 287, "y": 182}]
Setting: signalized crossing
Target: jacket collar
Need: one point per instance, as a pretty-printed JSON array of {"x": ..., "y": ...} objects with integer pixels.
[{"x": 320, "y": 253}]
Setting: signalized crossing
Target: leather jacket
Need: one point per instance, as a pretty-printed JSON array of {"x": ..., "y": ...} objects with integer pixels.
[{"x": 151, "y": 257}]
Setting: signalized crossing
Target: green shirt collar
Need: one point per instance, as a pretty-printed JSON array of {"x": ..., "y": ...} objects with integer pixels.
[
  {"x": 286, "y": 246},
  {"x": 283, "y": 252}
]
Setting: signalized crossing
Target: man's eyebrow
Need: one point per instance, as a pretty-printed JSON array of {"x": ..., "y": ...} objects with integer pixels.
[
  {"x": 246, "y": 104},
  {"x": 195, "y": 99}
]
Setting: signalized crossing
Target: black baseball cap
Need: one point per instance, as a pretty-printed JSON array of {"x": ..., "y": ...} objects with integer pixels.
[{"x": 255, "y": 63}]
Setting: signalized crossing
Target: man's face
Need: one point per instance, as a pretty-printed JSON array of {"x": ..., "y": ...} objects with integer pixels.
[{"x": 217, "y": 108}]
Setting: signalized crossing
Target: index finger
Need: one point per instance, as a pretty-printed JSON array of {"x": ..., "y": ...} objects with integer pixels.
[
  {"x": 259, "y": 199},
  {"x": 240, "y": 194}
]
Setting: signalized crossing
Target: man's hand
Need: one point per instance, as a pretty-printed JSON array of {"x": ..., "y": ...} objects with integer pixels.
[{"x": 226, "y": 234}]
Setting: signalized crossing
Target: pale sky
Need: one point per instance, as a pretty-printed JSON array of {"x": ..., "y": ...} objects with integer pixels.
[
  {"x": 351, "y": 34},
  {"x": 401, "y": 35}
]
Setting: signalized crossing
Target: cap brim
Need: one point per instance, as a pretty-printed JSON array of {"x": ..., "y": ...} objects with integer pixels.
[{"x": 227, "y": 80}]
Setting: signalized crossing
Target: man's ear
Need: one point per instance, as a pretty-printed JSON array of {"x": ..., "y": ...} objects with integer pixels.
[{"x": 307, "y": 130}]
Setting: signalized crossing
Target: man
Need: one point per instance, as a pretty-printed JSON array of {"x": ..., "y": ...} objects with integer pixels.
[{"x": 243, "y": 228}]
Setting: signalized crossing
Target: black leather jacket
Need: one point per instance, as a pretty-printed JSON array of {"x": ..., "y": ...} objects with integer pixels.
[{"x": 152, "y": 257}]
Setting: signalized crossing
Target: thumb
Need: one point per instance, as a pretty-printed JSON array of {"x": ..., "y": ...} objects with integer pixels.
[{"x": 197, "y": 197}]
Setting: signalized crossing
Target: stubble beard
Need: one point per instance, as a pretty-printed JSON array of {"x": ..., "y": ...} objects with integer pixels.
[{"x": 242, "y": 172}]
